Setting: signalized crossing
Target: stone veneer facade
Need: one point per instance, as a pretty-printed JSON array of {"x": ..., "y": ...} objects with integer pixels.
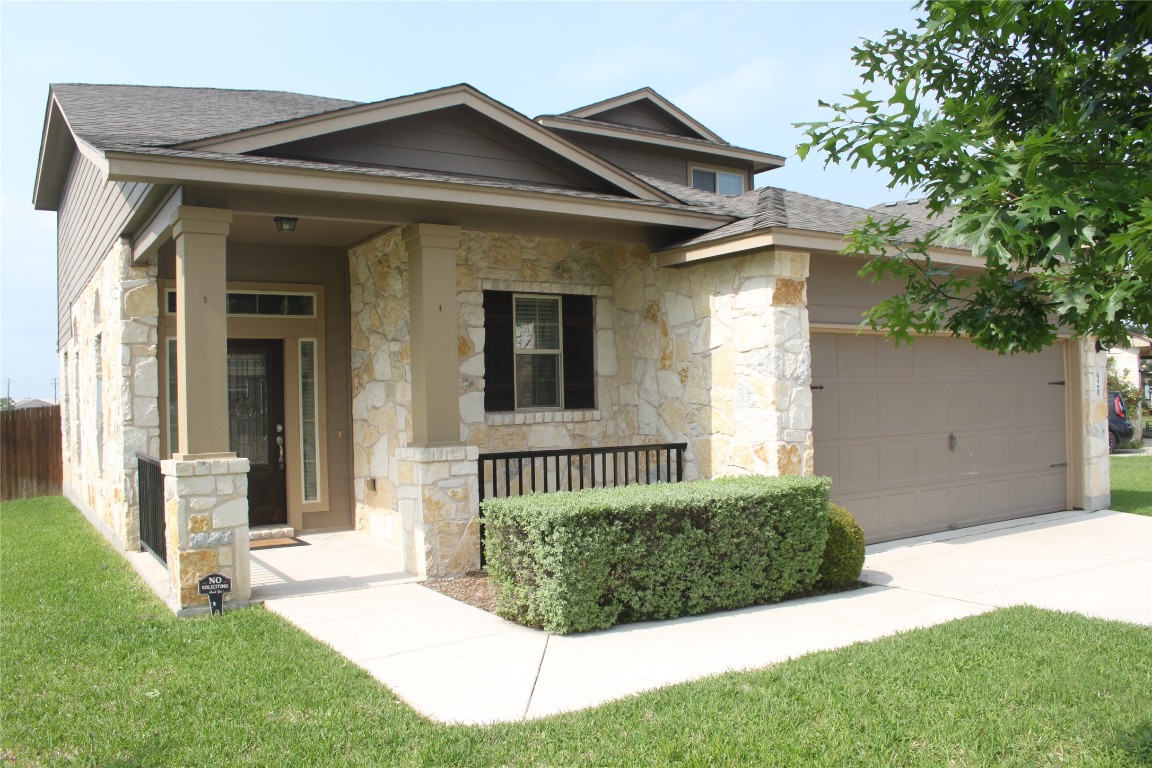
[
  {"x": 1094, "y": 425},
  {"x": 110, "y": 394},
  {"x": 715, "y": 355}
]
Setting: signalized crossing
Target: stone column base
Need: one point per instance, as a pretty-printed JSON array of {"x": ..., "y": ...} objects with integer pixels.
[
  {"x": 439, "y": 510},
  {"x": 206, "y": 514}
]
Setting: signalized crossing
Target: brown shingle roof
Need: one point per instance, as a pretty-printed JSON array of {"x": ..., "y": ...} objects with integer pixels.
[
  {"x": 160, "y": 116},
  {"x": 151, "y": 120},
  {"x": 768, "y": 207}
]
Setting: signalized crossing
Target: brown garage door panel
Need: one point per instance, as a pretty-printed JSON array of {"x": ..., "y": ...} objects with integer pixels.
[
  {"x": 938, "y": 434},
  {"x": 894, "y": 513}
]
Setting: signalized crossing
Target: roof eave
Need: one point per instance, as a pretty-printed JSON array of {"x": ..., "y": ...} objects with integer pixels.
[
  {"x": 784, "y": 238},
  {"x": 57, "y": 146},
  {"x": 761, "y": 161},
  {"x": 127, "y": 166}
]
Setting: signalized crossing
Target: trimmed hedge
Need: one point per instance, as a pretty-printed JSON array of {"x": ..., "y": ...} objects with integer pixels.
[
  {"x": 844, "y": 553},
  {"x": 570, "y": 562}
]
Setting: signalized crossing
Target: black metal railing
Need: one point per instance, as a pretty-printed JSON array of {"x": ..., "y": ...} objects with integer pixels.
[
  {"x": 572, "y": 469},
  {"x": 150, "y": 494}
]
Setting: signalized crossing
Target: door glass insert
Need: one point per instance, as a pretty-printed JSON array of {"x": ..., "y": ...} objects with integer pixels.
[
  {"x": 248, "y": 406},
  {"x": 308, "y": 428}
]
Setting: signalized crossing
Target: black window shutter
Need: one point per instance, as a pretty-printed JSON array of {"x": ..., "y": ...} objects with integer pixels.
[
  {"x": 579, "y": 352},
  {"x": 499, "y": 361}
]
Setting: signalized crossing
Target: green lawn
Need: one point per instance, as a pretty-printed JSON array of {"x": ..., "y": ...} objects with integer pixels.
[
  {"x": 96, "y": 672},
  {"x": 1132, "y": 484}
]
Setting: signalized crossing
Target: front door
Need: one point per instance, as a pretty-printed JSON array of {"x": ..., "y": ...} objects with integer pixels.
[{"x": 256, "y": 424}]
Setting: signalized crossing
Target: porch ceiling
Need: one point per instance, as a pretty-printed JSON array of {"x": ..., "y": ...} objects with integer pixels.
[{"x": 260, "y": 228}]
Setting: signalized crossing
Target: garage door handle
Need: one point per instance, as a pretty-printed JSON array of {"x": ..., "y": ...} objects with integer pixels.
[
  {"x": 952, "y": 441},
  {"x": 816, "y": 386}
]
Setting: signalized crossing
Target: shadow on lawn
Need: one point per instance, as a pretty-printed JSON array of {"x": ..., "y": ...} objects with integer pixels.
[
  {"x": 1129, "y": 499},
  {"x": 1138, "y": 743}
]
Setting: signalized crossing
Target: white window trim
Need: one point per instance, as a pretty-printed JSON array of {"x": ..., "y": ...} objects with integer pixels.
[
  {"x": 718, "y": 173},
  {"x": 558, "y": 353}
]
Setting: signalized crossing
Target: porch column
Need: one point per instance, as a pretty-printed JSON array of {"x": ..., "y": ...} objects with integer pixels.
[
  {"x": 205, "y": 485},
  {"x": 201, "y": 331},
  {"x": 431, "y": 250}
]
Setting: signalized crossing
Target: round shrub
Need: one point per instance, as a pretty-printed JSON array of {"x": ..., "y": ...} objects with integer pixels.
[{"x": 844, "y": 553}]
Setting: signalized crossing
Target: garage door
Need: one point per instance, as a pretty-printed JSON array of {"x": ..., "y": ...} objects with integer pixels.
[{"x": 937, "y": 434}]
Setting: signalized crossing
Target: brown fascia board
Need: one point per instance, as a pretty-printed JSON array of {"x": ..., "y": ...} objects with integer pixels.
[
  {"x": 784, "y": 238},
  {"x": 761, "y": 161},
  {"x": 57, "y": 147},
  {"x": 164, "y": 169},
  {"x": 262, "y": 137},
  {"x": 646, "y": 94}
]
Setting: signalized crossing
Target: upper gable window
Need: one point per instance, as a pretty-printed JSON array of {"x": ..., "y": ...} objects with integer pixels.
[{"x": 717, "y": 181}]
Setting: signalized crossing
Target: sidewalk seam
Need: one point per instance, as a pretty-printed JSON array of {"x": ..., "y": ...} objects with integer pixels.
[{"x": 536, "y": 679}]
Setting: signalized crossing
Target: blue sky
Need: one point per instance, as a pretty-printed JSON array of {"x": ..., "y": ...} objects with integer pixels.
[{"x": 747, "y": 70}]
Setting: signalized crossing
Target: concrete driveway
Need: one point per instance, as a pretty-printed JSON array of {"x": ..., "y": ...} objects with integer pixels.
[{"x": 456, "y": 663}]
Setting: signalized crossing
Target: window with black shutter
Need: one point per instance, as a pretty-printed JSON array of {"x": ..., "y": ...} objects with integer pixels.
[{"x": 539, "y": 351}]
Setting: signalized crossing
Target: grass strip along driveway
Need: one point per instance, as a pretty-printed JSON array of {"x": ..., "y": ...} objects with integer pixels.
[
  {"x": 97, "y": 672},
  {"x": 1132, "y": 484}
]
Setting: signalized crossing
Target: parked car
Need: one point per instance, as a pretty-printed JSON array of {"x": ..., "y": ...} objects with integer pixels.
[{"x": 1120, "y": 430}]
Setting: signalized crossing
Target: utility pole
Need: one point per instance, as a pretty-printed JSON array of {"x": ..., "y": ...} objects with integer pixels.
[{"x": 54, "y": 390}]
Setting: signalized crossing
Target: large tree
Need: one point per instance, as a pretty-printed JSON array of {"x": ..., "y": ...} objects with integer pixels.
[{"x": 1026, "y": 129}]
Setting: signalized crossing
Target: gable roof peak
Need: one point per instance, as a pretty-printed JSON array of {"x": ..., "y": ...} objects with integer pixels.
[{"x": 646, "y": 95}]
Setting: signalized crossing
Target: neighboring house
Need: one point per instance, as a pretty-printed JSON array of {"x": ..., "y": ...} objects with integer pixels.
[
  {"x": 31, "y": 402},
  {"x": 318, "y": 313},
  {"x": 1132, "y": 361}
]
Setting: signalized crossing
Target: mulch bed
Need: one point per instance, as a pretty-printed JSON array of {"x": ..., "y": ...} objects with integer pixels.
[{"x": 471, "y": 588}]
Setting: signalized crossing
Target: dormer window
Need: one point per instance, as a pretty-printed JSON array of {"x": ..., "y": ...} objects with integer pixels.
[{"x": 718, "y": 181}]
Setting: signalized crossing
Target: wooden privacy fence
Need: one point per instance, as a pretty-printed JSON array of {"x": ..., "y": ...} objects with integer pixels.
[{"x": 30, "y": 460}]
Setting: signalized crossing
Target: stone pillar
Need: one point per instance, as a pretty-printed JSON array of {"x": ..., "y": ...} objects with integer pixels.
[
  {"x": 1093, "y": 424},
  {"x": 202, "y": 330},
  {"x": 206, "y": 512},
  {"x": 432, "y": 250},
  {"x": 762, "y": 374},
  {"x": 439, "y": 510}
]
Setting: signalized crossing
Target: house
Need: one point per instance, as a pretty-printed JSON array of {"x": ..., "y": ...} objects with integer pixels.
[
  {"x": 1133, "y": 363},
  {"x": 31, "y": 402},
  {"x": 316, "y": 313}
]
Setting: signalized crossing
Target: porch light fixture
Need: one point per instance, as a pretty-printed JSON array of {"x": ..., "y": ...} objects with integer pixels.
[{"x": 285, "y": 224}]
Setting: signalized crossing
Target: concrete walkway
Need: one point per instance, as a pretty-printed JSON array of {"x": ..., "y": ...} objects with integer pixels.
[{"x": 456, "y": 663}]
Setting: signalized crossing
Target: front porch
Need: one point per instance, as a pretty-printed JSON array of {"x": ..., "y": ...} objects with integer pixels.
[{"x": 386, "y": 405}]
